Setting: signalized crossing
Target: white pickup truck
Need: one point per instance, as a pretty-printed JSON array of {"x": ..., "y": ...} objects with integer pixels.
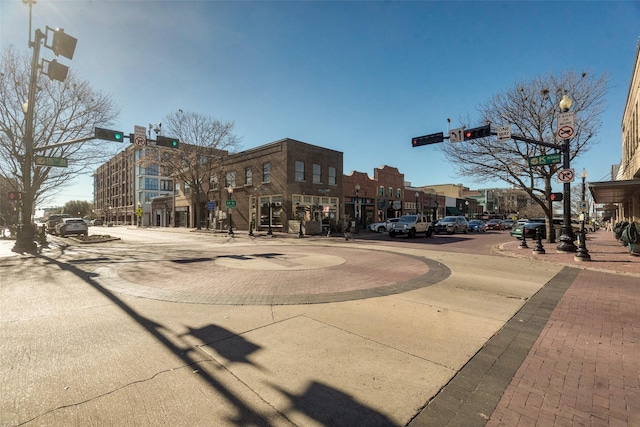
[{"x": 411, "y": 225}]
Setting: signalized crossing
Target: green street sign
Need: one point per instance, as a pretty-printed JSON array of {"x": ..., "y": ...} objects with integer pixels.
[
  {"x": 231, "y": 204},
  {"x": 549, "y": 159},
  {"x": 50, "y": 161}
]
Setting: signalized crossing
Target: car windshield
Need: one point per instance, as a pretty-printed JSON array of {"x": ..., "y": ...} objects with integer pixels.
[
  {"x": 448, "y": 219},
  {"x": 408, "y": 218}
]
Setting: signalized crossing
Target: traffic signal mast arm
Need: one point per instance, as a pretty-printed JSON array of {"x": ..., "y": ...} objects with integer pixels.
[
  {"x": 72, "y": 141},
  {"x": 533, "y": 141}
]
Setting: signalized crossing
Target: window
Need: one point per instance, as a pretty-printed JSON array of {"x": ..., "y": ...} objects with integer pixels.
[
  {"x": 381, "y": 192},
  {"x": 230, "y": 179},
  {"x": 391, "y": 192},
  {"x": 166, "y": 185},
  {"x": 299, "y": 175},
  {"x": 248, "y": 176},
  {"x": 150, "y": 170},
  {"x": 266, "y": 172},
  {"x": 213, "y": 182},
  {"x": 332, "y": 175},
  {"x": 399, "y": 193},
  {"x": 317, "y": 174},
  {"x": 150, "y": 184}
]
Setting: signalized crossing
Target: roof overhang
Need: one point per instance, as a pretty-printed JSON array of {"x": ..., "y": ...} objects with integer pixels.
[{"x": 614, "y": 191}]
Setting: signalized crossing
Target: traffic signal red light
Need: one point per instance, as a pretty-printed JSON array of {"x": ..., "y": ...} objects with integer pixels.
[
  {"x": 555, "y": 197},
  {"x": 15, "y": 195},
  {"x": 479, "y": 132},
  {"x": 434, "y": 138}
]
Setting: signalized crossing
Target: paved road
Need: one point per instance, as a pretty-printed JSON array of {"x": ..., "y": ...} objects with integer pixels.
[{"x": 193, "y": 329}]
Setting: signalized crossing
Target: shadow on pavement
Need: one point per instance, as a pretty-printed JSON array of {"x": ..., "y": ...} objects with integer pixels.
[{"x": 319, "y": 401}]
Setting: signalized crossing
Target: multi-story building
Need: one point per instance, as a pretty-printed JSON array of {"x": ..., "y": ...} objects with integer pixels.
[
  {"x": 113, "y": 186},
  {"x": 621, "y": 196}
]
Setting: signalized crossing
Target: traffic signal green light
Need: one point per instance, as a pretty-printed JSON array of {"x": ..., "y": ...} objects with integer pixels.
[
  {"x": 108, "y": 134},
  {"x": 164, "y": 141},
  {"x": 479, "y": 132}
]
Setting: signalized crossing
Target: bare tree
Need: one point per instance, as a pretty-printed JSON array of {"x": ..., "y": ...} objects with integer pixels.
[
  {"x": 204, "y": 143},
  {"x": 62, "y": 112},
  {"x": 531, "y": 109}
]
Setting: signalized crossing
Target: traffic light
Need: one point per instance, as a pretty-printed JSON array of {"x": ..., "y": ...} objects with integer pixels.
[
  {"x": 555, "y": 197},
  {"x": 479, "y": 132},
  {"x": 55, "y": 70},
  {"x": 63, "y": 44},
  {"x": 15, "y": 196},
  {"x": 108, "y": 134},
  {"x": 434, "y": 138},
  {"x": 164, "y": 141}
]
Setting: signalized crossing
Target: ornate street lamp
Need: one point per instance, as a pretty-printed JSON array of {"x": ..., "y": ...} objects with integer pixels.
[
  {"x": 582, "y": 254},
  {"x": 229, "y": 194},
  {"x": 566, "y": 237}
]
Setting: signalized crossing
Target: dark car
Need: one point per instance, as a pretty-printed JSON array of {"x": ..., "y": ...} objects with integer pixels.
[
  {"x": 451, "y": 225},
  {"x": 495, "y": 224}
]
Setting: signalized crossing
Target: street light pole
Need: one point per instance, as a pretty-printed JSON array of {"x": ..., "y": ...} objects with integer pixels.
[
  {"x": 417, "y": 195},
  {"x": 229, "y": 193},
  {"x": 566, "y": 238},
  {"x": 582, "y": 254}
]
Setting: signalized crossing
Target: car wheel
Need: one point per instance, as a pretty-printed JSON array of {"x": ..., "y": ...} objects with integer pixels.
[
  {"x": 381, "y": 229},
  {"x": 428, "y": 233},
  {"x": 412, "y": 233}
]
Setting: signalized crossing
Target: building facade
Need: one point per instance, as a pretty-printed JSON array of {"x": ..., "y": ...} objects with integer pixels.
[{"x": 621, "y": 195}]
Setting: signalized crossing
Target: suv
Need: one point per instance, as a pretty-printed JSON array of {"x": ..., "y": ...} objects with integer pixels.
[
  {"x": 53, "y": 220},
  {"x": 72, "y": 226},
  {"x": 451, "y": 225},
  {"x": 411, "y": 225}
]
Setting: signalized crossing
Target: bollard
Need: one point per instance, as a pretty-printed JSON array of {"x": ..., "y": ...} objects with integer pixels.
[
  {"x": 582, "y": 254},
  {"x": 523, "y": 243},
  {"x": 539, "y": 249}
]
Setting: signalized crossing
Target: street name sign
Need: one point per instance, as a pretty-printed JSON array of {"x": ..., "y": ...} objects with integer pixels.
[
  {"x": 549, "y": 159},
  {"x": 231, "y": 204},
  {"x": 50, "y": 161}
]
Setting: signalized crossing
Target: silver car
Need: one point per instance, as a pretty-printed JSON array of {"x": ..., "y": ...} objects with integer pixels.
[
  {"x": 381, "y": 227},
  {"x": 69, "y": 226}
]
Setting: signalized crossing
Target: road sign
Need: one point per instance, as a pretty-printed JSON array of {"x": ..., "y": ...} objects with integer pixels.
[
  {"x": 566, "y": 125},
  {"x": 504, "y": 133},
  {"x": 549, "y": 159},
  {"x": 566, "y": 175},
  {"x": 582, "y": 206},
  {"x": 211, "y": 206},
  {"x": 456, "y": 135},
  {"x": 140, "y": 136},
  {"x": 50, "y": 161},
  {"x": 231, "y": 204},
  {"x": 139, "y": 212}
]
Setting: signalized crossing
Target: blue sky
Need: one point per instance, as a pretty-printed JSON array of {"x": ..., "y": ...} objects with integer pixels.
[{"x": 359, "y": 77}]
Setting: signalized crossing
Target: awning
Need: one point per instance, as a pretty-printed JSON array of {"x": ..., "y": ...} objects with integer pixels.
[
  {"x": 614, "y": 191},
  {"x": 452, "y": 210}
]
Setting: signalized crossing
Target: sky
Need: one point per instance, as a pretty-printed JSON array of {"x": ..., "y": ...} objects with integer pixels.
[{"x": 360, "y": 77}]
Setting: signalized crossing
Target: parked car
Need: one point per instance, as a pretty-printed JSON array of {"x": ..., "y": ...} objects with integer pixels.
[
  {"x": 529, "y": 228},
  {"x": 53, "y": 220},
  {"x": 411, "y": 225},
  {"x": 477, "y": 225},
  {"x": 96, "y": 222},
  {"x": 72, "y": 226},
  {"x": 495, "y": 224},
  {"x": 508, "y": 224},
  {"x": 381, "y": 227},
  {"x": 451, "y": 225}
]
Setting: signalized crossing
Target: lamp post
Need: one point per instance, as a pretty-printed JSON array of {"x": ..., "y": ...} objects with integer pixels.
[
  {"x": 356, "y": 206},
  {"x": 582, "y": 254},
  {"x": 566, "y": 237},
  {"x": 229, "y": 193},
  {"x": 269, "y": 230},
  {"x": 417, "y": 195}
]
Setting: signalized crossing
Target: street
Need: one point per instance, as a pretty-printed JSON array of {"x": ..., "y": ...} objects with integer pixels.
[{"x": 183, "y": 328}]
